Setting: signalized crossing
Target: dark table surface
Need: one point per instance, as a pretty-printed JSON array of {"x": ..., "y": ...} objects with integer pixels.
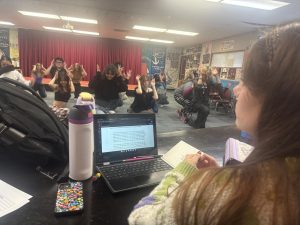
[{"x": 100, "y": 206}]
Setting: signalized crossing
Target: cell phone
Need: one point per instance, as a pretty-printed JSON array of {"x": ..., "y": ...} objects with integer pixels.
[{"x": 69, "y": 199}]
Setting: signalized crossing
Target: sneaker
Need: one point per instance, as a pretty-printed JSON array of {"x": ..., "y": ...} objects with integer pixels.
[{"x": 111, "y": 112}]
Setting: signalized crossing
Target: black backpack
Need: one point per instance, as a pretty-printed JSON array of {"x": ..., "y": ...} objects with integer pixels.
[{"x": 29, "y": 130}]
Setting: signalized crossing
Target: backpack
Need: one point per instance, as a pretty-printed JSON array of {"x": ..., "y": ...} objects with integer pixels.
[{"x": 29, "y": 129}]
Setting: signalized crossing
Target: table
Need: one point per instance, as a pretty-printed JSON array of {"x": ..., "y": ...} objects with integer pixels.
[{"x": 101, "y": 207}]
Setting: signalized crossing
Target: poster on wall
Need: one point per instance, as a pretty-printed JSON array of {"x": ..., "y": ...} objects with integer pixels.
[
  {"x": 158, "y": 60},
  {"x": 172, "y": 67},
  {"x": 155, "y": 58},
  {"x": 206, "y": 59},
  {"x": 4, "y": 41},
  {"x": 14, "y": 47}
]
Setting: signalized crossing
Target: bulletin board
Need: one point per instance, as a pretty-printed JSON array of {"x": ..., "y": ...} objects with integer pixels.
[{"x": 228, "y": 59}]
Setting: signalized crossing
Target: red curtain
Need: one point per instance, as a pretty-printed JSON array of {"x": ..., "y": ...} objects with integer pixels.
[{"x": 42, "y": 47}]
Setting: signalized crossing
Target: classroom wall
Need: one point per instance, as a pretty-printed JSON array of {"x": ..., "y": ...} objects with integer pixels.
[
  {"x": 234, "y": 43},
  {"x": 9, "y": 44},
  {"x": 172, "y": 66}
]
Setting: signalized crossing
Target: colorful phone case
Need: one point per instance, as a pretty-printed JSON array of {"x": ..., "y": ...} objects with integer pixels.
[{"x": 69, "y": 198}]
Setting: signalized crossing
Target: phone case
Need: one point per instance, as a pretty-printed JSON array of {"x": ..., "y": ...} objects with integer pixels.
[{"x": 69, "y": 198}]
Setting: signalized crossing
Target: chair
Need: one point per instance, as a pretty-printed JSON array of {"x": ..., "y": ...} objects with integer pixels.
[{"x": 223, "y": 99}]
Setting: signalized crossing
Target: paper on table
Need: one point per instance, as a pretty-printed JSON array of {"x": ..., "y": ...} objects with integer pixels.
[
  {"x": 177, "y": 154},
  {"x": 11, "y": 198}
]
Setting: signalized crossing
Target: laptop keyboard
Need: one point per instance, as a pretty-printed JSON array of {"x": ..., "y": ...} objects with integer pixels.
[{"x": 132, "y": 169}]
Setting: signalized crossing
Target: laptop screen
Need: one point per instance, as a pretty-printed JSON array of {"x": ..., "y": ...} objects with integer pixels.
[{"x": 123, "y": 136}]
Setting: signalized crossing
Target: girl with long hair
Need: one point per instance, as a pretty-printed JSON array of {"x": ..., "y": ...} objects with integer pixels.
[
  {"x": 264, "y": 189},
  {"x": 145, "y": 96},
  {"x": 63, "y": 86},
  {"x": 77, "y": 73},
  {"x": 37, "y": 74}
]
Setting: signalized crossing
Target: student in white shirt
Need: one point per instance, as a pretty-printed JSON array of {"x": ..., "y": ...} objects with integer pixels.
[{"x": 9, "y": 71}]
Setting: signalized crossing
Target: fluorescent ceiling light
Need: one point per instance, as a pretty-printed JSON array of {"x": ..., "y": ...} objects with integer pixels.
[
  {"x": 76, "y": 19},
  {"x": 57, "y": 29},
  {"x": 137, "y": 38},
  {"x": 213, "y": 0},
  {"x": 156, "y": 29},
  {"x": 162, "y": 41},
  {"x": 6, "y": 23},
  {"x": 258, "y": 4},
  {"x": 137, "y": 27},
  {"x": 182, "y": 32},
  {"x": 50, "y": 16},
  {"x": 86, "y": 32}
]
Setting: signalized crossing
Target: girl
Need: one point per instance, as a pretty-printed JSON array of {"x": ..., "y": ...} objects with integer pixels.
[
  {"x": 145, "y": 96},
  {"x": 265, "y": 188},
  {"x": 77, "y": 73},
  {"x": 63, "y": 87},
  {"x": 37, "y": 75}
]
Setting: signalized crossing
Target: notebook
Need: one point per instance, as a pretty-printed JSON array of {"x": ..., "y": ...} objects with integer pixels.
[
  {"x": 126, "y": 151},
  {"x": 236, "y": 151}
]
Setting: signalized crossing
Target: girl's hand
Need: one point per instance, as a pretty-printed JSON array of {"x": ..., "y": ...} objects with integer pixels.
[
  {"x": 201, "y": 160},
  {"x": 98, "y": 68},
  {"x": 153, "y": 82},
  {"x": 56, "y": 75},
  {"x": 128, "y": 74},
  {"x": 138, "y": 78}
]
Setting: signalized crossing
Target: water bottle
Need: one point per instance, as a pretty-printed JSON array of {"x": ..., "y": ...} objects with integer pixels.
[{"x": 81, "y": 138}]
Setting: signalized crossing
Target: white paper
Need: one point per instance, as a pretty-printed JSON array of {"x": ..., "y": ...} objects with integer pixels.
[
  {"x": 237, "y": 150},
  {"x": 177, "y": 154},
  {"x": 11, "y": 198}
]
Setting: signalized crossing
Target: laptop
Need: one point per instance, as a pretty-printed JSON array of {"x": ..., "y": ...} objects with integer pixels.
[{"x": 126, "y": 151}]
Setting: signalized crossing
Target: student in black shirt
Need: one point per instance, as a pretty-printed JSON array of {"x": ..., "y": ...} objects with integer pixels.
[
  {"x": 57, "y": 64},
  {"x": 107, "y": 87},
  {"x": 145, "y": 96}
]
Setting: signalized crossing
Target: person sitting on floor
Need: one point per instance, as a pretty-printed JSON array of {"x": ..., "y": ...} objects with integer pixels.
[
  {"x": 107, "y": 87},
  {"x": 125, "y": 77},
  {"x": 264, "y": 189},
  {"x": 77, "y": 73},
  {"x": 9, "y": 71},
  {"x": 37, "y": 75},
  {"x": 145, "y": 96},
  {"x": 161, "y": 90},
  {"x": 63, "y": 86}
]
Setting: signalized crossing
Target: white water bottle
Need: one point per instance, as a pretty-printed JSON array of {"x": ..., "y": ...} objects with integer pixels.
[{"x": 81, "y": 141}]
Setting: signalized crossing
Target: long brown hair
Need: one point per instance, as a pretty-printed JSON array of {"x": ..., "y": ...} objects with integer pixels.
[{"x": 271, "y": 73}]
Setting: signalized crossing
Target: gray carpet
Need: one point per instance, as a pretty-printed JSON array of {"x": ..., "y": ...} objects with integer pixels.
[{"x": 167, "y": 119}]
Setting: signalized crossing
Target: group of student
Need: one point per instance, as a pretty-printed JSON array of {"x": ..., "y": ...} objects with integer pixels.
[{"x": 109, "y": 86}]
